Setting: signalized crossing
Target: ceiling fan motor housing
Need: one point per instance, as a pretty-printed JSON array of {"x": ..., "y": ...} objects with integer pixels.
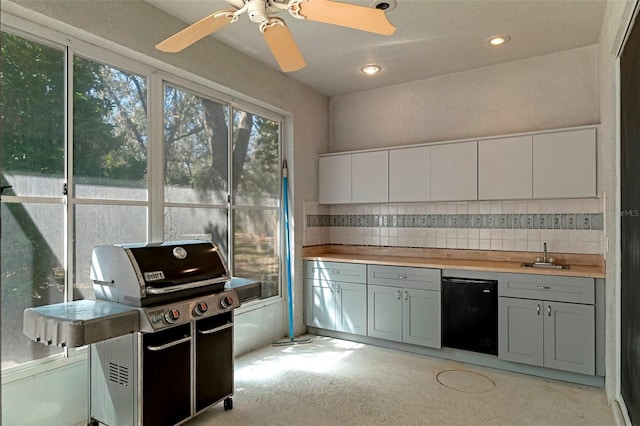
[{"x": 257, "y": 10}]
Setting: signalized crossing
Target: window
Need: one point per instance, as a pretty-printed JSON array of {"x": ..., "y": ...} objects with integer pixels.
[
  {"x": 32, "y": 156},
  {"x": 200, "y": 203},
  {"x": 256, "y": 189},
  {"x": 110, "y": 189},
  {"x": 77, "y": 146}
]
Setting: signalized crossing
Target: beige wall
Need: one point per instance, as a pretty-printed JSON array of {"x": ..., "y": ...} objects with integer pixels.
[{"x": 547, "y": 92}]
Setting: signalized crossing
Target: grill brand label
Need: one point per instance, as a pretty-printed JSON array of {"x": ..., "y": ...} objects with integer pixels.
[
  {"x": 179, "y": 253},
  {"x": 154, "y": 276}
]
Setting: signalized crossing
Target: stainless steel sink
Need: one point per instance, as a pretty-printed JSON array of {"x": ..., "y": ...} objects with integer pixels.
[{"x": 547, "y": 265}]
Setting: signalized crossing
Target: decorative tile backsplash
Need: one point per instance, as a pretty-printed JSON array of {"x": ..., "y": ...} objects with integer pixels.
[
  {"x": 574, "y": 221},
  {"x": 568, "y": 226}
]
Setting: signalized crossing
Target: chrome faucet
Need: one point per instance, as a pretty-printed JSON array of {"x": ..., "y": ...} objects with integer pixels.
[{"x": 544, "y": 253}]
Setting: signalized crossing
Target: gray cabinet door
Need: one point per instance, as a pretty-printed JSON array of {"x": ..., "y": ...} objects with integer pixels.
[
  {"x": 520, "y": 330},
  {"x": 322, "y": 309},
  {"x": 384, "y": 312},
  {"x": 421, "y": 317},
  {"x": 351, "y": 308},
  {"x": 569, "y": 337}
]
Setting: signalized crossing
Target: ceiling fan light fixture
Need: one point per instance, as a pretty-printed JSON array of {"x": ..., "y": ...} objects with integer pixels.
[
  {"x": 371, "y": 69},
  {"x": 498, "y": 40}
]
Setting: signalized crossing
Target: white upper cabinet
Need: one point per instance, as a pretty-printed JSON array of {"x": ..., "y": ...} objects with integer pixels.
[
  {"x": 370, "y": 177},
  {"x": 334, "y": 181},
  {"x": 454, "y": 171},
  {"x": 559, "y": 164},
  {"x": 410, "y": 174},
  {"x": 564, "y": 164},
  {"x": 505, "y": 168}
]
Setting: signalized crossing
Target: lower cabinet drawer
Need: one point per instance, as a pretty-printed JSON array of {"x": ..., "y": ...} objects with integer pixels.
[
  {"x": 336, "y": 271},
  {"x": 547, "y": 287},
  {"x": 404, "y": 276}
]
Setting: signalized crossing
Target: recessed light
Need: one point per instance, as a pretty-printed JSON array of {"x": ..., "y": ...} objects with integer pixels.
[
  {"x": 371, "y": 69},
  {"x": 498, "y": 40}
]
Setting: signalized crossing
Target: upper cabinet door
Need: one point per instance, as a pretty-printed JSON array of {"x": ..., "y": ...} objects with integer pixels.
[
  {"x": 410, "y": 174},
  {"x": 564, "y": 164},
  {"x": 454, "y": 171},
  {"x": 505, "y": 168},
  {"x": 334, "y": 179},
  {"x": 370, "y": 177}
]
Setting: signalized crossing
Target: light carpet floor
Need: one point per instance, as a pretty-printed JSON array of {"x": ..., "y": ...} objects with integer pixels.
[{"x": 337, "y": 382}]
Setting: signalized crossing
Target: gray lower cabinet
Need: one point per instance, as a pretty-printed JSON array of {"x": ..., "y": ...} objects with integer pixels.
[
  {"x": 548, "y": 333},
  {"x": 334, "y": 304},
  {"x": 408, "y": 309}
]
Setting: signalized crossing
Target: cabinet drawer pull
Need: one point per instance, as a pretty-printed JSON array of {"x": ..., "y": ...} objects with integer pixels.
[
  {"x": 335, "y": 271},
  {"x": 549, "y": 310},
  {"x": 406, "y": 296},
  {"x": 168, "y": 345},
  {"x": 402, "y": 277},
  {"x": 538, "y": 309},
  {"x": 544, "y": 287},
  {"x": 398, "y": 294}
]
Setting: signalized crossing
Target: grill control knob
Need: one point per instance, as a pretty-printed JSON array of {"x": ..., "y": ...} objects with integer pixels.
[
  {"x": 200, "y": 309},
  {"x": 226, "y": 301},
  {"x": 172, "y": 316}
]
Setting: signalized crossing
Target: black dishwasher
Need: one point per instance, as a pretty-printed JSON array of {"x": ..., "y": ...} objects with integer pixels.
[{"x": 470, "y": 314}]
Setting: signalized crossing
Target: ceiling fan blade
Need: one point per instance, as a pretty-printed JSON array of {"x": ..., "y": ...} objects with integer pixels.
[
  {"x": 347, "y": 15},
  {"x": 196, "y": 32},
  {"x": 282, "y": 45}
]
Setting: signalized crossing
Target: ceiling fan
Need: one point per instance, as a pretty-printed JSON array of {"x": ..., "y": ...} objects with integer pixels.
[{"x": 275, "y": 30}]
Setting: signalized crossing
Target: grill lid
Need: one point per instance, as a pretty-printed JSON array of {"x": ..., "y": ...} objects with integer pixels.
[
  {"x": 178, "y": 262},
  {"x": 129, "y": 273}
]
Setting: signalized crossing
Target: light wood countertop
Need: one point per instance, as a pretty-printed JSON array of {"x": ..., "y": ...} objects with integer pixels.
[{"x": 591, "y": 266}]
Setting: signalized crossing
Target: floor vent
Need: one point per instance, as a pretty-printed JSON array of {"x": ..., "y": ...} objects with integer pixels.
[{"x": 118, "y": 374}]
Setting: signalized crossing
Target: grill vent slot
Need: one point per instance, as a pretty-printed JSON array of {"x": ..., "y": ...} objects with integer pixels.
[{"x": 118, "y": 374}]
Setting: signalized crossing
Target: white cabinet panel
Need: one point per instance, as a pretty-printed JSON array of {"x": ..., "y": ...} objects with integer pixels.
[
  {"x": 370, "y": 177},
  {"x": 410, "y": 174},
  {"x": 334, "y": 179},
  {"x": 505, "y": 168},
  {"x": 564, "y": 164},
  {"x": 454, "y": 171}
]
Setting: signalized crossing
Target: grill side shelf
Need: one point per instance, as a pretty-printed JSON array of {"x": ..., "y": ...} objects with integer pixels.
[{"x": 79, "y": 323}]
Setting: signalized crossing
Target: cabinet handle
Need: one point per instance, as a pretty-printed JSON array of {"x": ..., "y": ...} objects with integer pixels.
[
  {"x": 549, "y": 310},
  {"x": 402, "y": 277},
  {"x": 335, "y": 271},
  {"x": 538, "y": 309},
  {"x": 337, "y": 288},
  {"x": 398, "y": 294},
  {"x": 544, "y": 287},
  {"x": 406, "y": 296}
]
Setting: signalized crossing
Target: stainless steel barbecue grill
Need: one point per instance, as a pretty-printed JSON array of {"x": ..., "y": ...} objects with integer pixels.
[{"x": 160, "y": 331}]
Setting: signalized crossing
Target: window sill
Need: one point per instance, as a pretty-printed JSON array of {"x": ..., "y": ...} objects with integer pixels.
[
  {"x": 257, "y": 304},
  {"x": 34, "y": 368}
]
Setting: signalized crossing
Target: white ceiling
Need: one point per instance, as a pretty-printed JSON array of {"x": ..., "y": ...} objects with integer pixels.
[{"x": 433, "y": 37}]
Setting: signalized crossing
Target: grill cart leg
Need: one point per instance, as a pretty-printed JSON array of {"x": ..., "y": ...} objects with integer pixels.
[{"x": 228, "y": 403}]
